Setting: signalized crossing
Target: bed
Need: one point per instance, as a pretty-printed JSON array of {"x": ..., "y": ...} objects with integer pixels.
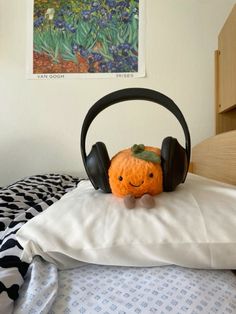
[{"x": 40, "y": 286}]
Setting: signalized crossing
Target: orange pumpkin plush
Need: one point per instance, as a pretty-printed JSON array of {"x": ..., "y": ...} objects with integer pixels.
[{"x": 136, "y": 173}]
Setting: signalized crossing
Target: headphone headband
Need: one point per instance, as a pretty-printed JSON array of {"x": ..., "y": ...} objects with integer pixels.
[{"x": 133, "y": 94}]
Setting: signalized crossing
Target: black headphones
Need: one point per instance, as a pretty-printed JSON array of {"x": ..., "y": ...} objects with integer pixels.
[{"x": 174, "y": 158}]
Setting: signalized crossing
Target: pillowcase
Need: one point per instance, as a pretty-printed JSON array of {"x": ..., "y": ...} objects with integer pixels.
[{"x": 194, "y": 226}]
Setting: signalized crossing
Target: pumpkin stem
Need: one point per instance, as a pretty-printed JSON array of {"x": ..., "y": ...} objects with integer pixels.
[
  {"x": 137, "y": 148},
  {"x": 138, "y": 151}
]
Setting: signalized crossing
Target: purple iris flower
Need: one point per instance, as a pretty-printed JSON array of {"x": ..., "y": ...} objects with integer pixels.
[
  {"x": 123, "y": 4},
  {"x": 125, "y": 49},
  {"x": 103, "y": 67},
  {"x": 60, "y": 24},
  {"x": 125, "y": 17},
  {"x": 38, "y": 22},
  {"x": 111, "y": 3},
  {"x": 83, "y": 52},
  {"x": 71, "y": 28},
  {"x": 75, "y": 47},
  {"x": 86, "y": 14},
  {"x": 97, "y": 56}
]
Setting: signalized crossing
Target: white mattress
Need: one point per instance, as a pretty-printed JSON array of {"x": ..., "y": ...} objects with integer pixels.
[{"x": 108, "y": 290}]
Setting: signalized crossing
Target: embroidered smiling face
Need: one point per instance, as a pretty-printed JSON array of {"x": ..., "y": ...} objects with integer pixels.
[{"x": 130, "y": 174}]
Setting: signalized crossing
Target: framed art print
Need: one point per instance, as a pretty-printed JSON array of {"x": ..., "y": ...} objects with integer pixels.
[{"x": 85, "y": 39}]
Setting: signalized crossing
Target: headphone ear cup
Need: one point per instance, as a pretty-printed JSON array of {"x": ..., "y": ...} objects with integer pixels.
[
  {"x": 173, "y": 162},
  {"x": 97, "y": 165}
]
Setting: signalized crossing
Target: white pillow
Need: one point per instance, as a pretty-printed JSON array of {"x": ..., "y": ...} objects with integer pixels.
[{"x": 194, "y": 226}]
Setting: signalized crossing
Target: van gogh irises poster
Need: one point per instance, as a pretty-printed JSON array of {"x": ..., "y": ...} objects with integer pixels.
[{"x": 86, "y": 38}]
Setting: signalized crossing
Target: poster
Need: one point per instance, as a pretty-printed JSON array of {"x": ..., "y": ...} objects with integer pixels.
[{"x": 86, "y": 39}]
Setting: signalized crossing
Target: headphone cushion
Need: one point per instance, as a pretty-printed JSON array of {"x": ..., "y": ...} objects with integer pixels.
[
  {"x": 174, "y": 163},
  {"x": 98, "y": 163}
]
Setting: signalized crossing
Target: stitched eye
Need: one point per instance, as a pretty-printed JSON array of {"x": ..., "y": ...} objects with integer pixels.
[
  {"x": 120, "y": 178},
  {"x": 151, "y": 175}
]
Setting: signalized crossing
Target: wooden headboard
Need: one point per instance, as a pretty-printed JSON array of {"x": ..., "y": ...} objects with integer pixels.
[{"x": 215, "y": 158}]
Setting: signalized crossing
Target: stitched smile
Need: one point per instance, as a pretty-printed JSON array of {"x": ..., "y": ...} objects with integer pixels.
[{"x": 136, "y": 186}]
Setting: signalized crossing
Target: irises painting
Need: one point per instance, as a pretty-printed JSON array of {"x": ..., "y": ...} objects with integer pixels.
[{"x": 86, "y": 36}]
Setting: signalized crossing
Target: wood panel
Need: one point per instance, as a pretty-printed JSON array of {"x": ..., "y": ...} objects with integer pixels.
[
  {"x": 227, "y": 63},
  {"x": 215, "y": 158},
  {"x": 225, "y": 121}
]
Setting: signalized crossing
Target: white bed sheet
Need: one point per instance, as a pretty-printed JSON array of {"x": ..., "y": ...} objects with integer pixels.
[{"x": 109, "y": 289}]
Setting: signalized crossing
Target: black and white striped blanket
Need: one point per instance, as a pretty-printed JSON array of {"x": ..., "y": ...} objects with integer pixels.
[{"x": 19, "y": 203}]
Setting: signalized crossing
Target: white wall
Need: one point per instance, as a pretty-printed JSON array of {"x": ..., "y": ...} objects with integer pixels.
[{"x": 40, "y": 120}]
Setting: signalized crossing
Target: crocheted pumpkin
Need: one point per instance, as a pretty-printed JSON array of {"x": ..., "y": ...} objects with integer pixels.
[{"x": 136, "y": 171}]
